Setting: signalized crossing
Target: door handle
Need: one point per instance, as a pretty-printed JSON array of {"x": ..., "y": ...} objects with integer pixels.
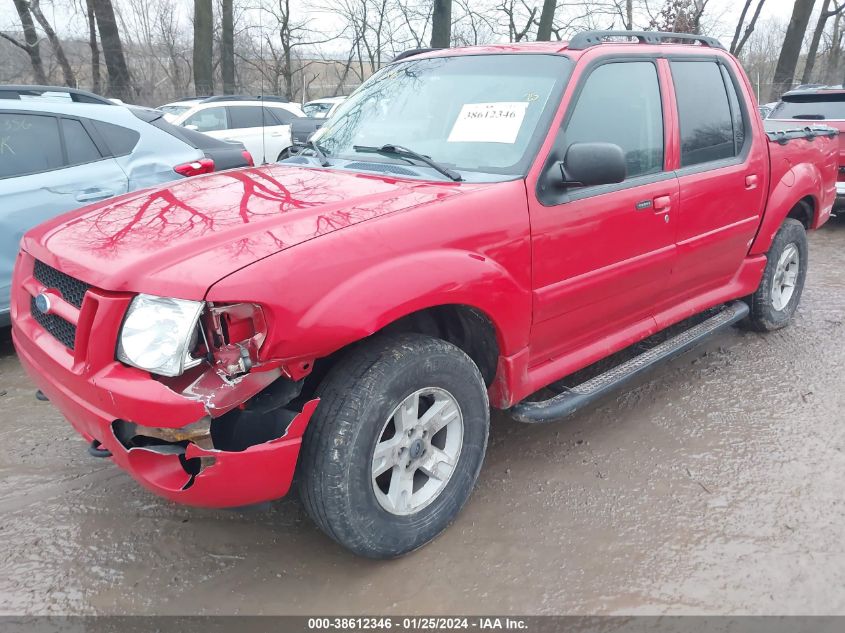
[
  {"x": 90, "y": 195},
  {"x": 662, "y": 204},
  {"x": 751, "y": 181}
]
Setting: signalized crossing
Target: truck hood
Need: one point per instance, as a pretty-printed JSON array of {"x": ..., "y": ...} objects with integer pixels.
[{"x": 180, "y": 239}]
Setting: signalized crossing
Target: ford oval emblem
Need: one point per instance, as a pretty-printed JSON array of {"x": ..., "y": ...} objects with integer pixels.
[{"x": 42, "y": 303}]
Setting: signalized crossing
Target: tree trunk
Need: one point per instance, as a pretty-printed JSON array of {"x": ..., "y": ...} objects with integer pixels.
[
  {"x": 203, "y": 47},
  {"x": 810, "y": 65},
  {"x": 67, "y": 71},
  {"x": 736, "y": 46},
  {"x": 31, "y": 39},
  {"x": 95, "y": 49},
  {"x": 629, "y": 15},
  {"x": 441, "y": 24},
  {"x": 227, "y": 48},
  {"x": 547, "y": 18},
  {"x": 835, "y": 48},
  {"x": 120, "y": 84},
  {"x": 788, "y": 59}
]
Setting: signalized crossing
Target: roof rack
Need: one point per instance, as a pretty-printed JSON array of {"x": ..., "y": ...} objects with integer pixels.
[
  {"x": 76, "y": 95},
  {"x": 216, "y": 98},
  {"x": 587, "y": 39},
  {"x": 413, "y": 51}
]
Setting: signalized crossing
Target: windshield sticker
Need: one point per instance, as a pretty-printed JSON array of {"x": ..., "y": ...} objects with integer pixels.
[{"x": 488, "y": 122}]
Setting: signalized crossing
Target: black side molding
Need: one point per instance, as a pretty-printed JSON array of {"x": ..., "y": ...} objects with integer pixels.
[{"x": 571, "y": 400}]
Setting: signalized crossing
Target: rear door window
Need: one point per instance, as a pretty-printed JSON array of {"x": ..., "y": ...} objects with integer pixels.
[
  {"x": 78, "y": 144},
  {"x": 247, "y": 116},
  {"x": 706, "y": 123},
  {"x": 29, "y": 144},
  {"x": 209, "y": 120},
  {"x": 279, "y": 116},
  {"x": 620, "y": 103}
]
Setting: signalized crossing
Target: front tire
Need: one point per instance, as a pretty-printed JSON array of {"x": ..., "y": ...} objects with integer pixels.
[
  {"x": 396, "y": 444},
  {"x": 776, "y": 299}
]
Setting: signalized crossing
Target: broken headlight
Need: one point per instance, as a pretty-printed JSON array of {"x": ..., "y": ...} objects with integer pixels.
[{"x": 158, "y": 334}]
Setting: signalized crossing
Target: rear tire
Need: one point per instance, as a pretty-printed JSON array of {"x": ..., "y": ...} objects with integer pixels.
[
  {"x": 284, "y": 154},
  {"x": 776, "y": 299},
  {"x": 370, "y": 433}
]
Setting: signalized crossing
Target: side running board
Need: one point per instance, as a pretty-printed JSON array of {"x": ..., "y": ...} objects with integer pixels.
[{"x": 570, "y": 400}]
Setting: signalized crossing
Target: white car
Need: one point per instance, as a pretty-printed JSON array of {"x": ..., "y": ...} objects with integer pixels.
[
  {"x": 322, "y": 108},
  {"x": 262, "y": 124}
]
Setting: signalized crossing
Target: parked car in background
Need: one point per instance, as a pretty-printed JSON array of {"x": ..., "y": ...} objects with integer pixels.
[
  {"x": 321, "y": 108},
  {"x": 474, "y": 227},
  {"x": 261, "y": 123},
  {"x": 765, "y": 109},
  {"x": 303, "y": 128},
  {"x": 60, "y": 153},
  {"x": 173, "y": 109},
  {"x": 815, "y": 104}
]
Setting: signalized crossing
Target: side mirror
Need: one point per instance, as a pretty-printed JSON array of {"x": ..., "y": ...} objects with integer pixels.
[
  {"x": 191, "y": 127},
  {"x": 591, "y": 164}
]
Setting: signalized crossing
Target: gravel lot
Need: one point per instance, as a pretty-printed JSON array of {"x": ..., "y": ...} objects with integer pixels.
[{"x": 714, "y": 486}]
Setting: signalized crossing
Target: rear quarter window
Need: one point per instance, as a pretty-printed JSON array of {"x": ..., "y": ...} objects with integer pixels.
[
  {"x": 119, "y": 140},
  {"x": 29, "y": 144}
]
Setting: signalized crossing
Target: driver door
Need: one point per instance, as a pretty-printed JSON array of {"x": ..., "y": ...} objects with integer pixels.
[{"x": 602, "y": 255}]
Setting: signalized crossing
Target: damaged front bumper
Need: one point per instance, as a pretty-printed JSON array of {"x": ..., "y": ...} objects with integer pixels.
[{"x": 184, "y": 448}]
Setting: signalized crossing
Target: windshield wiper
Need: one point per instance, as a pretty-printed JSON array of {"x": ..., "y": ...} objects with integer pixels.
[
  {"x": 309, "y": 144},
  {"x": 399, "y": 150}
]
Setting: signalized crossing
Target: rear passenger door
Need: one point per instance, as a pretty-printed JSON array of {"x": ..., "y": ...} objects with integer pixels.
[
  {"x": 722, "y": 175},
  {"x": 49, "y": 164},
  {"x": 602, "y": 255},
  {"x": 260, "y": 128}
]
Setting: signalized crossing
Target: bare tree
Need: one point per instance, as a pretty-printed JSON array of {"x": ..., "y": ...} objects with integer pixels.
[
  {"x": 30, "y": 43},
  {"x": 825, "y": 14},
  {"x": 791, "y": 49},
  {"x": 58, "y": 49},
  {"x": 741, "y": 37},
  {"x": 441, "y": 24},
  {"x": 680, "y": 16},
  {"x": 92, "y": 44},
  {"x": 547, "y": 18},
  {"x": 120, "y": 83},
  {"x": 518, "y": 18},
  {"x": 227, "y": 47},
  {"x": 203, "y": 47}
]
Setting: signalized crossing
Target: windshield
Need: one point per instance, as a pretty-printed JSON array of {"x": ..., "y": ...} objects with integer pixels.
[
  {"x": 819, "y": 109},
  {"x": 477, "y": 113}
]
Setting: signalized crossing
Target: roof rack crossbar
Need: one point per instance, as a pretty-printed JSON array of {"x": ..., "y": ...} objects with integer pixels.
[{"x": 587, "y": 39}]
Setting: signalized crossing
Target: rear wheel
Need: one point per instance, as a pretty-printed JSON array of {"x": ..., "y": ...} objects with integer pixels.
[
  {"x": 776, "y": 299},
  {"x": 285, "y": 153},
  {"x": 395, "y": 446}
]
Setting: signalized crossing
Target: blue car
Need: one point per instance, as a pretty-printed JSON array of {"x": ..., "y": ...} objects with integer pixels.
[{"x": 62, "y": 148}]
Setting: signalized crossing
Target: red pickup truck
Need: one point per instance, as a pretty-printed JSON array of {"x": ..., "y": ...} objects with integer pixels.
[{"x": 471, "y": 227}]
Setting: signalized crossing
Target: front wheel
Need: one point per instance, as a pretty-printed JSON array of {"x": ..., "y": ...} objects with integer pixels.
[
  {"x": 777, "y": 297},
  {"x": 396, "y": 444}
]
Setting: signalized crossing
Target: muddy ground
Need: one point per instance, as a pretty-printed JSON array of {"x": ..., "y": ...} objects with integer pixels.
[{"x": 714, "y": 486}]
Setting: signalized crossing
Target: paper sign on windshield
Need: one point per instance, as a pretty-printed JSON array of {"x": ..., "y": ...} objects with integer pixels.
[{"x": 488, "y": 122}]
